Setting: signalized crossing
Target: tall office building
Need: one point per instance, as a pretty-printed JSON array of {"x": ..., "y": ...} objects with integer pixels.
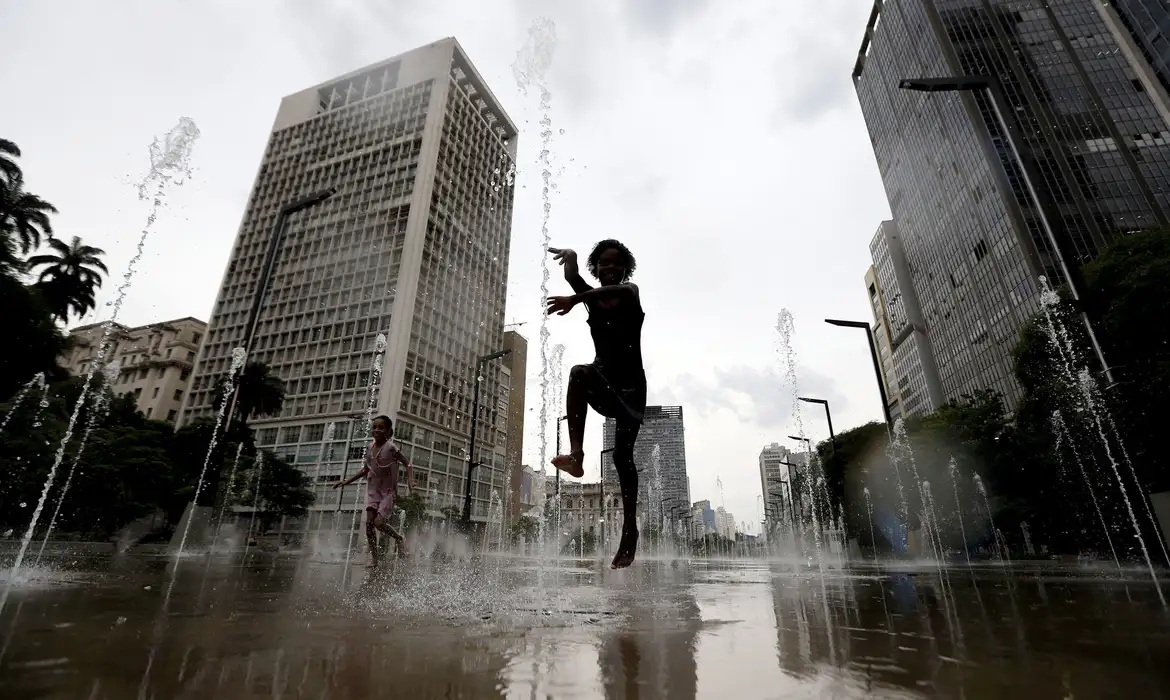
[
  {"x": 907, "y": 361},
  {"x": 774, "y": 484},
  {"x": 1088, "y": 115},
  {"x": 414, "y": 245},
  {"x": 662, "y": 427},
  {"x": 516, "y": 368}
]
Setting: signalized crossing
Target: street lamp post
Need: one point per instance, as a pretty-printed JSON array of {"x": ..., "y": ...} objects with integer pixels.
[
  {"x": 211, "y": 487},
  {"x": 877, "y": 368},
  {"x": 1065, "y": 257},
  {"x": 479, "y": 365},
  {"x": 558, "y": 471},
  {"x": 828, "y": 417}
]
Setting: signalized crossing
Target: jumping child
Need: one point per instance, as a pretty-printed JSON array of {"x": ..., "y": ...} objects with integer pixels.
[
  {"x": 381, "y": 471},
  {"x": 615, "y": 383}
]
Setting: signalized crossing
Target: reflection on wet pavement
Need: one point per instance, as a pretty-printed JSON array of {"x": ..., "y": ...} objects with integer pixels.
[{"x": 286, "y": 627}]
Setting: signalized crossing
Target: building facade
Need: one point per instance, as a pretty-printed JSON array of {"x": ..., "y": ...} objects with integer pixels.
[
  {"x": 413, "y": 247},
  {"x": 725, "y": 524},
  {"x": 975, "y": 239},
  {"x": 661, "y": 457},
  {"x": 702, "y": 519},
  {"x": 155, "y": 361},
  {"x": 591, "y": 507},
  {"x": 907, "y": 359},
  {"x": 774, "y": 478},
  {"x": 516, "y": 365}
]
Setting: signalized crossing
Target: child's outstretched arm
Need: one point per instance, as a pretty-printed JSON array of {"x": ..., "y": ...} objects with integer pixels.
[
  {"x": 568, "y": 258},
  {"x": 350, "y": 480}
]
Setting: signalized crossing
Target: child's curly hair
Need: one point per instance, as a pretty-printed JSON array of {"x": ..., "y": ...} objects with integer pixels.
[{"x": 607, "y": 244}]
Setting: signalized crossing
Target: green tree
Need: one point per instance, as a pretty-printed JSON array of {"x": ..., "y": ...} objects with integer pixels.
[
  {"x": 70, "y": 276},
  {"x": 525, "y": 529},
  {"x": 274, "y": 488},
  {"x": 32, "y": 342},
  {"x": 24, "y": 219},
  {"x": 261, "y": 393},
  {"x": 9, "y": 168},
  {"x": 414, "y": 505}
]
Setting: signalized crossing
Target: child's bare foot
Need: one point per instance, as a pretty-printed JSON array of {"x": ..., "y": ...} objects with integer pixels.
[
  {"x": 627, "y": 548},
  {"x": 571, "y": 464}
]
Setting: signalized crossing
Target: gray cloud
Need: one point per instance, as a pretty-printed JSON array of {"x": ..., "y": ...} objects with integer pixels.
[
  {"x": 661, "y": 16},
  {"x": 754, "y": 395}
]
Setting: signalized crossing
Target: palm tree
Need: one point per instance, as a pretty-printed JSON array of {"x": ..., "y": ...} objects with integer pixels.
[
  {"x": 261, "y": 393},
  {"x": 9, "y": 169},
  {"x": 24, "y": 217},
  {"x": 71, "y": 275}
]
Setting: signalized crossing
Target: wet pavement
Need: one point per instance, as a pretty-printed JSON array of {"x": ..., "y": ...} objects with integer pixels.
[{"x": 282, "y": 626}]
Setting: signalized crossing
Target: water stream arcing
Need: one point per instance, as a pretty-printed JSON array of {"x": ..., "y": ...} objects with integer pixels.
[
  {"x": 38, "y": 380},
  {"x": 170, "y": 164}
]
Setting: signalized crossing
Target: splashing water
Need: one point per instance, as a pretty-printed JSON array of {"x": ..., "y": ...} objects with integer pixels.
[
  {"x": 258, "y": 465},
  {"x": 1000, "y": 548},
  {"x": 872, "y": 536},
  {"x": 239, "y": 359},
  {"x": 948, "y": 591},
  {"x": 1083, "y": 381},
  {"x": 170, "y": 164},
  {"x": 785, "y": 331},
  {"x": 953, "y": 468},
  {"x": 101, "y": 405},
  {"x": 231, "y": 484},
  {"x": 530, "y": 68},
  {"x": 1063, "y": 437},
  {"x": 38, "y": 380}
]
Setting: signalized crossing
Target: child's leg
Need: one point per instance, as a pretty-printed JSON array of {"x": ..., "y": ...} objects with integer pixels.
[
  {"x": 577, "y": 403},
  {"x": 625, "y": 436},
  {"x": 372, "y": 535}
]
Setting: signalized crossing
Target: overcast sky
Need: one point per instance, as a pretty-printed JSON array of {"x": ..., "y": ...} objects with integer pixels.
[{"x": 722, "y": 142}]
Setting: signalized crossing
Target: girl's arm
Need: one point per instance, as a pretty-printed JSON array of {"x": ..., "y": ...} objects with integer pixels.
[{"x": 350, "y": 480}]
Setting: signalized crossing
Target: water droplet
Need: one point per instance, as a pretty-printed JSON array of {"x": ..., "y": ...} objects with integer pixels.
[{"x": 23, "y": 504}]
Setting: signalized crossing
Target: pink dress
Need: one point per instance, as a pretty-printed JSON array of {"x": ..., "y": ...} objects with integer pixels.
[{"x": 382, "y": 479}]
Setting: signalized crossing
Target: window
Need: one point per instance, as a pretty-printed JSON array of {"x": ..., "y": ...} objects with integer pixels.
[
  {"x": 196, "y": 337},
  {"x": 184, "y": 374},
  {"x": 171, "y": 415},
  {"x": 155, "y": 394},
  {"x": 178, "y": 394}
]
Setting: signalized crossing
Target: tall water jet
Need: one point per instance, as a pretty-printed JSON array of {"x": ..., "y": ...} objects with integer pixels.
[
  {"x": 530, "y": 69},
  {"x": 953, "y": 468},
  {"x": 1083, "y": 382},
  {"x": 785, "y": 332},
  {"x": 1063, "y": 437},
  {"x": 170, "y": 157},
  {"x": 101, "y": 404},
  {"x": 239, "y": 358},
  {"x": 38, "y": 381},
  {"x": 872, "y": 537}
]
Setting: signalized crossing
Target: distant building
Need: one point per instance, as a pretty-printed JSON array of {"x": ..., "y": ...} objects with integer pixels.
[
  {"x": 586, "y": 507},
  {"x": 661, "y": 428},
  {"x": 909, "y": 373},
  {"x": 725, "y": 523},
  {"x": 774, "y": 476},
  {"x": 515, "y": 375},
  {"x": 702, "y": 519},
  {"x": 155, "y": 361}
]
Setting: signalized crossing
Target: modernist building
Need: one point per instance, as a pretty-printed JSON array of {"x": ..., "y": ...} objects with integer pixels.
[
  {"x": 774, "y": 478},
  {"x": 907, "y": 361},
  {"x": 155, "y": 361},
  {"x": 725, "y": 524},
  {"x": 591, "y": 507},
  {"x": 1090, "y": 119},
  {"x": 413, "y": 246},
  {"x": 516, "y": 368},
  {"x": 661, "y": 457},
  {"x": 702, "y": 519}
]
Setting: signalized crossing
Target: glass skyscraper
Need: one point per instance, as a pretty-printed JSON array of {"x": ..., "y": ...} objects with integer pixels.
[
  {"x": 414, "y": 245},
  {"x": 1089, "y": 117}
]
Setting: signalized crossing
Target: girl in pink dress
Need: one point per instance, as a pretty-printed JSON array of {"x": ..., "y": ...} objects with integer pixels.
[{"x": 381, "y": 471}]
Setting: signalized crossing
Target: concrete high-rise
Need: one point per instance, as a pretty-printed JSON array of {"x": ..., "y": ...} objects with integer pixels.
[
  {"x": 155, "y": 361},
  {"x": 414, "y": 245},
  {"x": 774, "y": 481},
  {"x": 908, "y": 370},
  {"x": 516, "y": 371},
  {"x": 1089, "y": 115},
  {"x": 662, "y": 427}
]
